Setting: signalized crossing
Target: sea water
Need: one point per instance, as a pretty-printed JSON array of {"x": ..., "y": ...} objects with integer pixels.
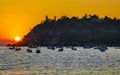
[{"x": 52, "y": 62}]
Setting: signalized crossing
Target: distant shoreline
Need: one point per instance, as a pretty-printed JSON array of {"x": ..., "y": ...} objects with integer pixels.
[{"x": 68, "y": 45}]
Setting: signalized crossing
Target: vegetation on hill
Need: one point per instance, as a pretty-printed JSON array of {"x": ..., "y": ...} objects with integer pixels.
[{"x": 90, "y": 29}]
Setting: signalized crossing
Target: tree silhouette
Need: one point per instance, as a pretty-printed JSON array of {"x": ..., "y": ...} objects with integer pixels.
[{"x": 90, "y": 29}]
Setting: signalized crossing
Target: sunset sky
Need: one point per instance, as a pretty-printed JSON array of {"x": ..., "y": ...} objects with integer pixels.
[{"x": 18, "y": 16}]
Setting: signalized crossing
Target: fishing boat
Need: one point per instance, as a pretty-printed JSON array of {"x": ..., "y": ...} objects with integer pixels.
[{"x": 17, "y": 48}]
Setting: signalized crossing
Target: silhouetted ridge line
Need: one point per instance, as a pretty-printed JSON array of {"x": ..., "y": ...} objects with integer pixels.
[{"x": 90, "y": 29}]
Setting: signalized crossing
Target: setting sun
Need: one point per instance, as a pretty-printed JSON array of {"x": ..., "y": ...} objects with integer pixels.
[
  {"x": 18, "y": 17},
  {"x": 17, "y": 39}
]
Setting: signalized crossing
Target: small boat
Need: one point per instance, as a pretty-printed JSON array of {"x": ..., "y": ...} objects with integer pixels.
[
  {"x": 17, "y": 48},
  {"x": 60, "y": 50},
  {"x": 73, "y": 48},
  {"x": 12, "y": 47},
  {"x": 51, "y": 47},
  {"x": 38, "y": 51},
  {"x": 29, "y": 50},
  {"x": 101, "y": 48}
]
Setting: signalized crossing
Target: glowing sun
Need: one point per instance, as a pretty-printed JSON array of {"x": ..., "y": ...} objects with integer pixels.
[{"x": 17, "y": 38}]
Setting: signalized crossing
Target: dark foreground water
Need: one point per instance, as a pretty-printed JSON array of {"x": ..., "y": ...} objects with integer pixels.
[{"x": 51, "y": 62}]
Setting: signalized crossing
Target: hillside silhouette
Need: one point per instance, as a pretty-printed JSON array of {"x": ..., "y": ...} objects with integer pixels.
[{"x": 74, "y": 31}]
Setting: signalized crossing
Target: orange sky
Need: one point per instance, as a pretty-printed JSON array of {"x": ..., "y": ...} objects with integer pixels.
[{"x": 18, "y": 16}]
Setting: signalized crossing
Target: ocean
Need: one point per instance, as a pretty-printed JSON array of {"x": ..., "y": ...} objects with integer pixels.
[{"x": 52, "y": 62}]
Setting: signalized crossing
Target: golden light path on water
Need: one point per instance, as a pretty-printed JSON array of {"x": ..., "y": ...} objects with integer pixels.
[{"x": 51, "y": 62}]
